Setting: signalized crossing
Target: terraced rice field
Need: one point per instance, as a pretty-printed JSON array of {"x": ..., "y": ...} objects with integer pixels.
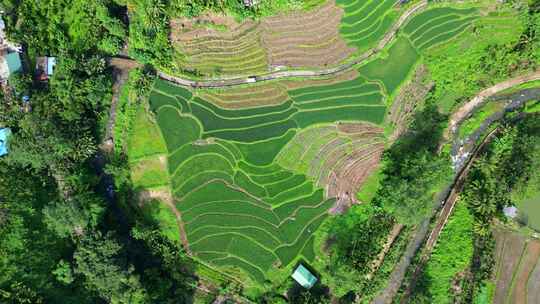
[
  {"x": 306, "y": 39},
  {"x": 254, "y": 170},
  {"x": 247, "y": 205},
  {"x": 366, "y": 21},
  {"x": 393, "y": 69},
  {"x": 296, "y": 39},
  {"x": 438, "y": 25},
  {"x": 517, "y": 272},
  {"x": 211, "y": 52},
  {"x": 427, "y": 29}
]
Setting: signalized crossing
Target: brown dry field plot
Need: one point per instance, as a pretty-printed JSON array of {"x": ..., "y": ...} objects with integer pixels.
[
  {"x": 266, "y": 94},
  {"x": 301, "y": 39},
  {"x": 218, "y": 45},
  {"x": 517, "y": 272}
]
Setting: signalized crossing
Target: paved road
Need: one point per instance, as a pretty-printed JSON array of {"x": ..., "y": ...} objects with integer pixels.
[{"x": 228, "y": 82}]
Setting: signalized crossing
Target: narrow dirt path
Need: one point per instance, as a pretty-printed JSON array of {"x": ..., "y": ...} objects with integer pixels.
[
  {"x": 121, "y": 68},
  {"x": 227, "y": 82},
  {"x": 180, "y": 224},
  {"x": 465, "y": 110},
  {"x": 396, "y": 230}
]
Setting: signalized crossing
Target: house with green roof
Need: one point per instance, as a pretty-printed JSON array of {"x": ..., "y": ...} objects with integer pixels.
[
  {"x": 304, "y": 277},
  {"x": 10, "y": 63}
]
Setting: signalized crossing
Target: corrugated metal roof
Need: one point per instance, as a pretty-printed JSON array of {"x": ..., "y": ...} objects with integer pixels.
[
  {"x": 304, "y": 277},
  {"x": 51, "y": 62},
  {"x": 4, "y": 134}
]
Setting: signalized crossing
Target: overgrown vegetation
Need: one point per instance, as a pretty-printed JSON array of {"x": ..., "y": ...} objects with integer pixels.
[
  {"x": 352, "y": 241},
  {"x": 74, "y": 26},
  {"x": 509, "y": 164},
  {"x": 64, "y": 238},
  {"x": 71, "y": 230},
  {"x": 461, "y": 266},
  {"x": 449, "y": 261},
  {"x": 502, "y": 45},
  {"x": 413, "y": 170}
]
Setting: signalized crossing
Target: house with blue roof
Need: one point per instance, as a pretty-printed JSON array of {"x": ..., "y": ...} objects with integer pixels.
[
  {"x": 4, "y": 135},
  {"x": 45, "y": 67}
]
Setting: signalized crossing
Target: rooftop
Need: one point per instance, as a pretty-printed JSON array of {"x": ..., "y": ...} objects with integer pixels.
[
  {"x": 510, "y": 211},
  {"x": 304, "y": 277},
  {"x": 4, "y": 134}
]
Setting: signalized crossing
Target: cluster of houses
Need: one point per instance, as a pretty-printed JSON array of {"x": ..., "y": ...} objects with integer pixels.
[{"x": 11, "y": 62}]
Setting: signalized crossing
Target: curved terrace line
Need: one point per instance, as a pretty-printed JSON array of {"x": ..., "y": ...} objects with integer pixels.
[
  {"x": 336, "y": 97},
  {"x": 300, "y": 208},
  {"x": 296, "y": 199},
  {"x": 422, "y": 29},
  {"x": 370, "y": 31},
  {"x": 232, "y": 256},
  {"x": 226, "y": 183},
  {"x": 191, "y": 158},
  {"x": 430, "y": 43},
  {"x": 229, "y": 230},
  {"x": 372, "y": 11},
  {"x": 280, "y": 221},
  {"x": 237, "y": 234},
  {"x": 203, "y": 205},
  {"x": 456, "y": 24},
  {"x": 228, "y": 82}
]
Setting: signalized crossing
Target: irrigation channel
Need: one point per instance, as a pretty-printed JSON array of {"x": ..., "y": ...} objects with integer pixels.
[
  {"x": 464, "y": 153},
  {"x": 228, "y": 82}
]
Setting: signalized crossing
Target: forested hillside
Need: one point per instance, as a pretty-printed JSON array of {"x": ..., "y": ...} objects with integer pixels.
[{"x": 63, "y": 236}]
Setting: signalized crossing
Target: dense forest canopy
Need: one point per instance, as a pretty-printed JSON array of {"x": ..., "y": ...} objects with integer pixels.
[{"x": 60, "y": 240}]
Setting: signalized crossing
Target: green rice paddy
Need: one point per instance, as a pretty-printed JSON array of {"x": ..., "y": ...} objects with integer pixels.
[
  {"x": 246, "y": 180},
  {"x": 437, "y": 25},
  {"x": 531, "y": 207},
  {"x": 366, "y": 21},
  {"x": 243, "y": 211}
]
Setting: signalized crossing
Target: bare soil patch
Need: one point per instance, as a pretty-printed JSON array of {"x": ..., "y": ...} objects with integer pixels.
[
  {"x": 295, "y": 39},
  {"x": 267, "y": 94},
  {"x": 343, "y": 164},
  {"x": 162, "y": 194},
  {"x": 216, "y": 45},
  {"x": 533, "y": 286},
  {"x": 353, "y": 173},
  {"x": 529, "y": 261},
  {"x": 511, "y": 256},
  {"x": 408, "y": 99},
  {"x": 302, "y": 39}
]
